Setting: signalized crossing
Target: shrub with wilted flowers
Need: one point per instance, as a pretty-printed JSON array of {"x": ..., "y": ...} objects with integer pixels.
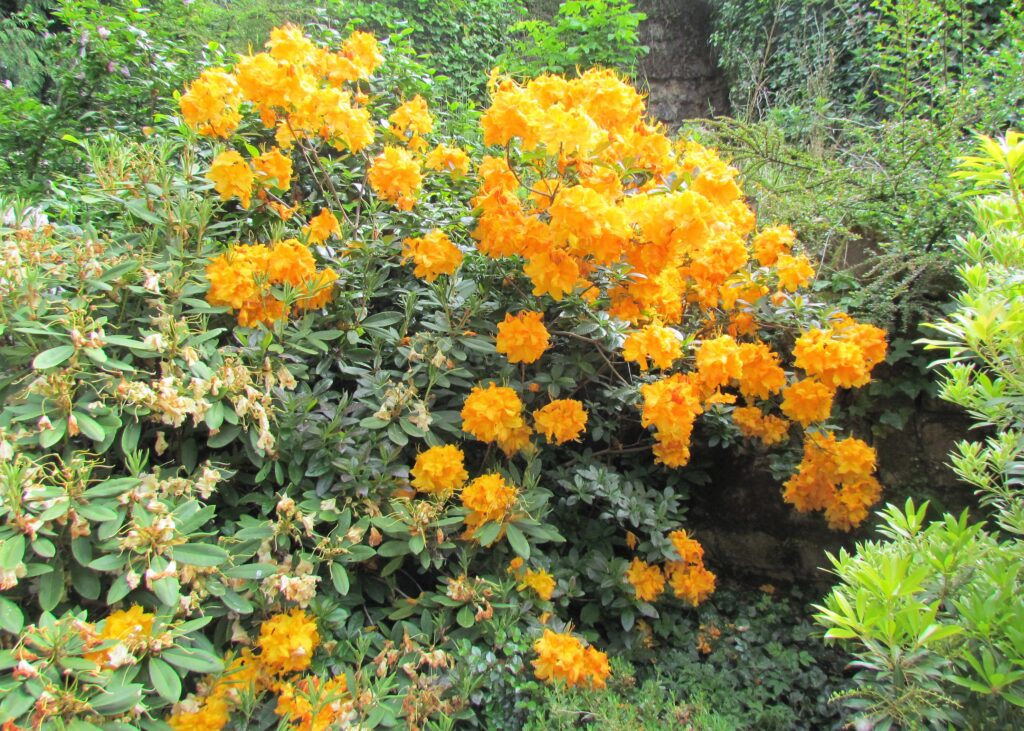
[{"x": 305, "y": 433}]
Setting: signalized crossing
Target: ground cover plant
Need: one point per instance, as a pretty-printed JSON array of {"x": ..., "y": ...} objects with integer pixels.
[{"x": 317, "y": 393}]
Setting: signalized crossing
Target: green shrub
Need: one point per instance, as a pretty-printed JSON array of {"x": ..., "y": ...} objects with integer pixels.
[{"x": 934, "y": 613}]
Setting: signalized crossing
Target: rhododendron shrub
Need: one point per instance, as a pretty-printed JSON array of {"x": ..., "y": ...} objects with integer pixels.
[{"x": 412, "y": 385}]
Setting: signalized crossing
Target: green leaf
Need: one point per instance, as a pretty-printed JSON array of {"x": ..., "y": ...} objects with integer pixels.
[
  {"x": 15, "y": 704},
  {"x": 53, "y": 357},
  {"x": 95, "y": 513},
  {"x": 51, "y": 588},
  {"x": 487, "y": 533},
  {"x": 199, "y": 554},
  {"x": 89, "y": 426},
  {"x": 236, "y": 602},
  {"x": 382, "y": 319},
  {"x": 517, "y": 540},
  {"x": 118, "y": 700},
  {"x": 166, "y": 590},
  {"x": 11, "y": 617},
  {"x": 198, "y": 661},
  {"x": 165, "y": 680},
  {"x": 12, "y": 551},
  {"x": 111, "y": 488},
  {"x": 465, "y": 617},
  {"x": 339, "y": 577}
]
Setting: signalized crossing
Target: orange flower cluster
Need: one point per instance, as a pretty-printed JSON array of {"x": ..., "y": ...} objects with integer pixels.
[
  {"x": 297, "y": 88},
  {"x": 495, "y": 414},
  {"x": 395, "y": 176},
  {"x": 541, "y": 582},
  {"x": 842, "y": 355},
  {"x": 522, "y": 337},
  {"x": 655, "y": 343},
  {"x": 489, "y": 499},
  {"x": 130, "y": 630},
  {"x": 585, "y": 220},
  {"x": 671, "y": 406},
  {"x": 755, "y": 424},
  {"x": 242, "y": 277},
  {"x": 286, "y": 644},
  {"x": 561, "y": 421},
  {"x": 835, "y": 476},
  {"x": 314, "y": 705},
  {"x": 648, "y": 581},
  {"x": 322, "y": 226},
  {"x": 807, "y": 401},
  {"x": 446, "y": 159},
  {"x": 563, "y": 657},
  {"x": 689, "y": 579},
  {"x": 440, "y": 470},
  {"x": 433, "y": 255}
]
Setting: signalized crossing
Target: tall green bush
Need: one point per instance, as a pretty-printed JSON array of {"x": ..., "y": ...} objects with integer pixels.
[{"x": 934, "y": 615}]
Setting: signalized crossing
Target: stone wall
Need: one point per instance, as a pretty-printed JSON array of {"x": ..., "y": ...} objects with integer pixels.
[
  {"x": 681, "y": 70},
  {"x": 751, "y": 534}
]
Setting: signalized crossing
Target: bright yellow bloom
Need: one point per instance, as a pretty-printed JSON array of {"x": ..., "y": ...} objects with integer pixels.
[
  {"x": 794, "y": 272},
  {"x": 841, "y": 356},
  {"x": 541, "y": 582},
  {"x": 232, "y": 177},
  {"x": 289, "y": 43},
  {"x": 412, "y": 116},
  {"x": 322, "y": 226},
  {"x": 433, "y": 255},
  {"x": 553, "y": 272},
  {"x": 489, "y": 499},
  {"x": 655, "y": 342},
  {"x": 318, "y": 290},
  {"x": 395, "y": 175},
  {"x": 562, "y": 420},
  {"x": 771, "y": 242},
  {"x": 290, "y": 262},
  {"x": 213, "y": 715},
  {"x": 492, "y": 414},
  {"x": 362, "y": 49},
  {"x": 563, "y": 657},
  {"x": 719, "y": 361},
  {"x": 313, "y": 705},
  {"x": 754, "y": 423},
  {"x": 522, "y": 337},
  {"x": 761, "y": 374},
  {"x": 210, "y": 104},
  {"x": 274, "y": 166},
  {"x": 287, "y": 642},
  {"x": 440, "y": 470},
  {"x": 131, "y": 628},
  {"x": 452, "y": 160},
  {"x": 835, "y": 476},
  {"x": 690, "y": 581},
  {"x": 647, "y": 580},
  {"x": 807, "y": 401}
]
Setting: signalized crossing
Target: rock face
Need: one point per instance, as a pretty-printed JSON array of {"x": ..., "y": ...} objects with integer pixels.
[
  {"x": 751, "y": 534},
  {"x": 681, "y": 70}
]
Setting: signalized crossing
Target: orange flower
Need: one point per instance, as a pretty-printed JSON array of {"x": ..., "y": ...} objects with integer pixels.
[
  {"x": 433, "y": 255},
  {"x": 522, "y": 337},
  {"x": 794, "y": 272},
  {"x": 719, "y": 362},
  {"x": 657, "y": 343},
  {"x": 807, "y": 401},
  {"x": 322, "y": 226},
  {"x": 772, "y": 242},
  {"x": 489, "y": 499},
  {"x": 553, "y": 272},
  {"x": 232, "y": 177},
  {"x": 439, "y": 470},
  {"x": 561, "y": 421},
  {"x": 395, "y": 176},
  {"x": 493, "y": 414},
  {"x": 648, "y": 581},
  {"x": 273, "y": 166},
  {"x": 562, "y": 657},
  {"x": 452, "y": 160}
]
